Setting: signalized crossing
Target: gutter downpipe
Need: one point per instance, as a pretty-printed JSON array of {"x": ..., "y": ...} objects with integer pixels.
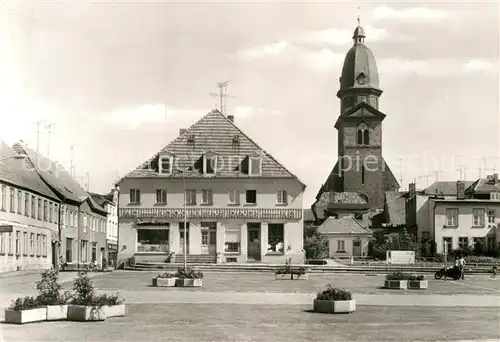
[{"x": 117, "y": 188}]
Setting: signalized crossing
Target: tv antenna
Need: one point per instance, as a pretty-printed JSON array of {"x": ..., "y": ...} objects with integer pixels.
[
  {"x": 48, "y": 127},
  {"x": 72, "y": 166},
  {"x": 222, "y": 95},
  {"x": 401, "y": 160}
]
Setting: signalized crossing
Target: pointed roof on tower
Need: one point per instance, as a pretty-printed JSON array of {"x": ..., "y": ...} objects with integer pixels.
[{"x": 360, "y": 68}]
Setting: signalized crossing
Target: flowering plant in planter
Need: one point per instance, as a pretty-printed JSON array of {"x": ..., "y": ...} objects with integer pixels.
[
  {"x": 417, "y": 282},
  {"x": 332, "y": 294},
  {"x": 188, "y": 273},
  {"x": 288, "y": 269},
  {"x": 87, "y": 306},
  {"x": 188, "y": 278},
  {"x": 166, "y": 279},
  {"x": 25, "y": 310},
  {"x": 50, "y": 296},
  {"x": 167, "y": 275},
  {"x": 398, "y": 276},
  {"x": 397, "y": 280},
  {"x": 334, "y": 300}
]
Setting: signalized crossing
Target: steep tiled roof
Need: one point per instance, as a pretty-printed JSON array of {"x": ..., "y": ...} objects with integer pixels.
[
  {"x": 212, "y": 133},
  {"x": 98, "y": 198},
  {"x": 396, "y": 207},
  {"x": 54, "y": 175},
  {"x": 445, "y": 188},
  {"x": 484, "y": 186},
  {"x": 16, "y": 172},
  {"x": 342, "y": 225}
]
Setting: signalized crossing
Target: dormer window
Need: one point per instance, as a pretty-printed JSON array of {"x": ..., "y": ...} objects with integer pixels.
[
  {"x": 255, "y": 164},
  {"x": 210, "y": 163},
  {"x": 165, "y": 163},
  {"x": 191, "y": 138},
  {"x": 361, "y": 79},
  {"x": 363, "y": 135}
]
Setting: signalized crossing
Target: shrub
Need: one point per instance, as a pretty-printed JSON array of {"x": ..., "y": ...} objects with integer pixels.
[
  {"x": 188, "y": 273},
  {"x": 166, "y": 275},
  {"x": 106, "y": 300},
  {"x": 84, "y": 290},
  {"x": 416, "y": 277},
  {"x": 26, "y": 303},
  {"x": 49, "y": 289},
  {"x": 479, "y": 259},
  {"x": 398, "y": 276},
  {"x": 334, "y": 294},
  {"x": 316, "y": 247}
]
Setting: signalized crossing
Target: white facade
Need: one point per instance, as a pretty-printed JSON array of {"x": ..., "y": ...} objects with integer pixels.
[{"x": 460, "y": 223}]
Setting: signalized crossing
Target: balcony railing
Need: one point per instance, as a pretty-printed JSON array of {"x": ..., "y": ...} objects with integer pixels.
[{"x": 211, "y": 213}]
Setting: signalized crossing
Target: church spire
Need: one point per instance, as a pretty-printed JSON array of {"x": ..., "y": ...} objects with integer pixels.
[{"x": 359, "y": 32}]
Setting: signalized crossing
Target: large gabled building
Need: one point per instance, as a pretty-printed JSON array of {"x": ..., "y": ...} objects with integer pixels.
[{"x": 241, "y": 204}]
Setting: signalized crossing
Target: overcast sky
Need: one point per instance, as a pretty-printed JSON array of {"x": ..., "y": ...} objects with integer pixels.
[{"x": 118, "y": 80}]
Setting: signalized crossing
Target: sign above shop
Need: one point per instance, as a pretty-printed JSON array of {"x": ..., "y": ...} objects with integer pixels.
[{"x": 211, "y": 213}]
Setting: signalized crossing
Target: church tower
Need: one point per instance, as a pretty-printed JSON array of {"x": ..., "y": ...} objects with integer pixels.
[{"x": 360, "y": 172}]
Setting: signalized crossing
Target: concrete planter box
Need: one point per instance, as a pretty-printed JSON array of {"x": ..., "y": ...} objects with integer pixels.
[
  {"x": 114, "y": 310},
  {"x": 83, "y": 313},
  {"x": 396, "y": 284},
  {"x": 189, "y": 282},
  {"x": 26, "y": 316},
  {"x": 164, "y": 282},
  {"x": 340, "y": 306},
  {"x": 289, "y": 277},
  {"x": 418, "y": 284},
  {"x": 57, "y": 312}
]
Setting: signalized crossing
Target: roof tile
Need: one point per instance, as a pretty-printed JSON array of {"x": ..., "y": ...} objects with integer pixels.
[
  {"x": 16, "y": 172},
  {"x": 213, "y": 132}
]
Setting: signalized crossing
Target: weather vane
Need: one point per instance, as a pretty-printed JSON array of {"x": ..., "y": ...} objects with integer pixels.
[{"x": 359, "y": 15}]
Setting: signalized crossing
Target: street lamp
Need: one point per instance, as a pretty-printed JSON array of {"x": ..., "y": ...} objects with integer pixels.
[
  {"x": 184, "y": 247},
  {"x": 15, "y": 156}
]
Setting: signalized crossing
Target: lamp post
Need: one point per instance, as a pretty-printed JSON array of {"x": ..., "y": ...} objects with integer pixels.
[{"x": 184, "y": 243}]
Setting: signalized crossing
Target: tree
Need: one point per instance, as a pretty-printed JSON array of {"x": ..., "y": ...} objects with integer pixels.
[{"x": 316, "y": 247}]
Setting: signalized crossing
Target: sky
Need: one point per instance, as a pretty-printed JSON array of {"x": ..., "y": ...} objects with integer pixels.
[{"x": 117, "y": 80}]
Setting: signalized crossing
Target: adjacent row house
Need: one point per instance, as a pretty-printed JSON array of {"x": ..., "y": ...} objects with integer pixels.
[
  {"x": 109, "y": 203},
  {"x": 28, "y": 215},
  {"x": 80, "y": 226},
  {"x": 459, "y": 216},
  {"x": 215, "y": 191}
]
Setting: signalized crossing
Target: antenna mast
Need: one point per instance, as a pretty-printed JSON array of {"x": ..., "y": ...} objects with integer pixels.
[
  {"x": 72, "y": 166},
  {"x": 401, "y": 160},
  {"x": 38, "y": 123},
  {"x": 222, "y": 94},
  {"x": 48, "y": 127}
]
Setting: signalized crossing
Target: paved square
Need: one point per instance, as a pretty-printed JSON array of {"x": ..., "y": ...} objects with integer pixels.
[
  {"x": 293, "y": 323},
  {"x": 256, "y": 307}
]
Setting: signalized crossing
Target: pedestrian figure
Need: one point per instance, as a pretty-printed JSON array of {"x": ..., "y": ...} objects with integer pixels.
[
  {"x": 494, "y": 270},
  {"x": 461, "y": 265}
]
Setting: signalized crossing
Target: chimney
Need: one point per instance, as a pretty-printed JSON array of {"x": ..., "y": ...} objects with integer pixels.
[
  {"x": 460, "y": 190},
  {"x": 231, "y": 118},
  {"x": 411, "y": 189},
  {"x": 182, "y": 131}
]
